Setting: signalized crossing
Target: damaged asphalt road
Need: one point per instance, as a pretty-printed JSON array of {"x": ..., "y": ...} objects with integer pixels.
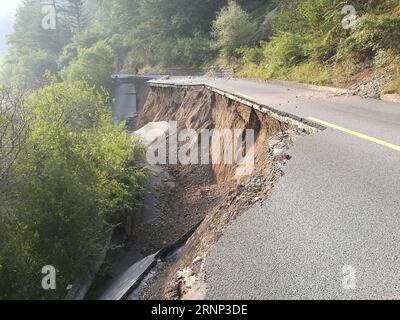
[
  {"x": 336, "y": 209},
  {"x": 337, "y": 206}
]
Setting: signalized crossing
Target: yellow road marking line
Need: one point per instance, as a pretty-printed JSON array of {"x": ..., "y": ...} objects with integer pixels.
[{"x": 357, "y": 134}]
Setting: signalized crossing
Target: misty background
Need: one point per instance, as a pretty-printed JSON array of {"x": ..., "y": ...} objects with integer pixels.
[{"x": 7, "y": 17}]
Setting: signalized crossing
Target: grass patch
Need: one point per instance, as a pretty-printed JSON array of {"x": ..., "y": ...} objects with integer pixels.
[
  {"x": 252, "y": 70},
  {"x": 311, "y": 72},
  {"x": 393, "y": 87}
]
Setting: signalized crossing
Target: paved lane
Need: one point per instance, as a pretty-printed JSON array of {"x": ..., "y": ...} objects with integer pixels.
[{"x": 337, "y": 206}]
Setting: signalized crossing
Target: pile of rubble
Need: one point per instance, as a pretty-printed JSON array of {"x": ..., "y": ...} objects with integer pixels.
[{"x": 372, "y": 85}]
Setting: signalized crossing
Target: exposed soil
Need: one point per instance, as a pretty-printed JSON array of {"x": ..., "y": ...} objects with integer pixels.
[{"x": 210, "y": 192}]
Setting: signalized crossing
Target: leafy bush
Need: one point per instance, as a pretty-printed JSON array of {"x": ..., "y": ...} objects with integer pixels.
[
  {"x": 187, "y": 52},
  {"x": 252, "y": 55},
  {"x": 283, "y": 51},
  {"x": 371, "y": 35},
  {"x": 311, "y": 72},
  {"x": 309, "y": 16},
  {"x": 384, "y": 57},
  {"x": 233, "y": 28},
  {"x": 393, "y": 87},
  {"x": 274, "y": 58},
  {"x": 84, "y": 39},
  {"x": 95, "y": 65},
  {"x": 79, "y": 174}
]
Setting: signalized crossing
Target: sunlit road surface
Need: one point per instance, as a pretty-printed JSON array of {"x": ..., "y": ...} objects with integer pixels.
[{"x": 331, "y": 228}]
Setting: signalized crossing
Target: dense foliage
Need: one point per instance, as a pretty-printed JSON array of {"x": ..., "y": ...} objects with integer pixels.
[
  {"x": 309, "y": 43},
  {"x": 75, "y": 175},
  {"x": 303, "y": 40},
  {"x": 93, "y": 65},
  {"x": 131, "y": 34},
  {"x": 229, "y": 36}
]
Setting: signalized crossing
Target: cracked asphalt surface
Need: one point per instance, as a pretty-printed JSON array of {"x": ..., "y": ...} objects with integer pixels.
[{"x": 337, "y": 206}]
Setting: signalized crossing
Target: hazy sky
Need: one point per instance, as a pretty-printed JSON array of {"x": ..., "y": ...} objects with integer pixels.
[
  {"x": 8, "y": 7},
  {"x": 7, "y": 13}
]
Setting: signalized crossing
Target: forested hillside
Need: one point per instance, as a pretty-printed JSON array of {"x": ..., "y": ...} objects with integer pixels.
[
  {"x": 312, "y": 41},
  {"x": 304, "y": 40},
  {"x": 95, "y": 38}
]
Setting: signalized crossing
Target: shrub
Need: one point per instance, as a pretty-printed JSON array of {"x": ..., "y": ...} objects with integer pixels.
[
  {"x": 371, "y": 35},
  {"x": 85, "y": 39},
  {"x": 252, "y": 55},
  {"x": 393, "y": 87},
  {"x": 282, "y": 52},
  {"x": 384, "y": 57},
  {"x": 233, "y": 28},
  {"x": 187, "y": 52},
  {"x": 95, "y": 65}
]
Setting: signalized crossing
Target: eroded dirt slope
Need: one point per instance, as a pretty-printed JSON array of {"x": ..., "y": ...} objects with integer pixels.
[{"x": 210, "y": 192}]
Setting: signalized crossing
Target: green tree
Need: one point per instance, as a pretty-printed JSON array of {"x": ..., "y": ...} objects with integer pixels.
[
  {"x": 188, "y": 52},
  {"x": 82, "y": 40},
  {"x": 29, "y": 33},
  {"x": 154, "y": 27},
  {"x": 94, "y": 65},
  {"x": 76, "y": 15},
  {"x": 80, "y": 175},
  {"x": 26, "y": 67},
  {"x": 14, "y": 124},
  {"x": 233, "y": 28}
]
